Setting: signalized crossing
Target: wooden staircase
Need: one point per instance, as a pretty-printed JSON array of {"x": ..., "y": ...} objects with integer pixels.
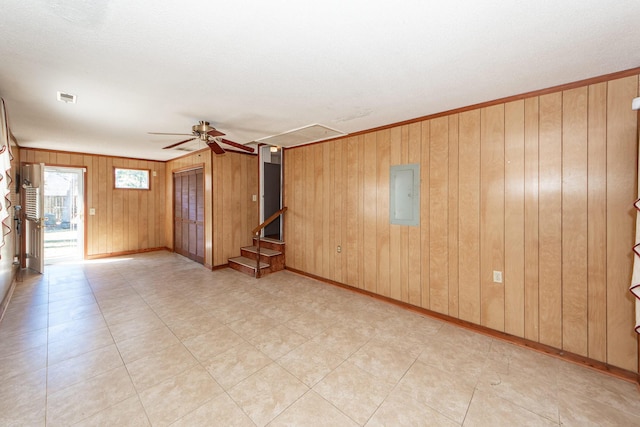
[{"x": 271, "y": 257}]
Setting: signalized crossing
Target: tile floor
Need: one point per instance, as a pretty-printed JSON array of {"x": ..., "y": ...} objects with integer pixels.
[{"x": 155, "y": 339}]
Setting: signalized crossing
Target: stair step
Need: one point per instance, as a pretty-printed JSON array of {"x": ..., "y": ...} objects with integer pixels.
[
  {"x": 246, "y": 262},
  {"x": 263, "y": 251},
  {"x": 270, "y": 240}
]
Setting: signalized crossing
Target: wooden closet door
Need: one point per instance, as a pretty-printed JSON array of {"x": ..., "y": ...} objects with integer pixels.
[{"x": 189, "y": 214}]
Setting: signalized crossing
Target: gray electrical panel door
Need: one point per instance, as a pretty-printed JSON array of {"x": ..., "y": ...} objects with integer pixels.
[{"x": 404, "y": 193}]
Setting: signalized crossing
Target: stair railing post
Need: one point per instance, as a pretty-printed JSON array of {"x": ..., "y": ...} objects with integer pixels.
[{"x": 258, "y": 256}]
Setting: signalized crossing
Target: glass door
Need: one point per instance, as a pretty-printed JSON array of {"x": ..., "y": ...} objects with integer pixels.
[{"x": 63, "y": 214}]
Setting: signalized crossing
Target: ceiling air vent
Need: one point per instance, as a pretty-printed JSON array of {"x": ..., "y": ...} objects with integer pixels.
[
  {"x": 301, "y": 136},
  {"x": 66, "y": 97}
]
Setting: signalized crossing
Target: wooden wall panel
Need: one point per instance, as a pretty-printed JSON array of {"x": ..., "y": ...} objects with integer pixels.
[
  {"x": 382, "y": 211},
  {"x": 397, "y": 266},
  {"x": 352, "y": 246},
  {"x": 492, "y": 215},
  {"x": 469, "y": 215},
  {"x": 438, "y": 191},
  {"x": 540, "y": 188},
  {"x": 597, "y": 222},
  {"x": 531, "y": 238},
  {"x": 452, "y": 236},
  {"x": 550, "y": 220},
  {"x": 118, "y": 226},
  {"x": 622, "y": 155},
  {"x": 514, "y": 219},
  {"x": 574, "y": 220},
  {"x": 424, "y": 214},
  {"x": 329, "y": 197},
  {"x": 414, "y": 241},
  {"x": 370, "y": 213}
]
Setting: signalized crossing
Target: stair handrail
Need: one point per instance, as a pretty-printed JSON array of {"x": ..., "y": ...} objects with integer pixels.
[{"x": 256, "y": 231}]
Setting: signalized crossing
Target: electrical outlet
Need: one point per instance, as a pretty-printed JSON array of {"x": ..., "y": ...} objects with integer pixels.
[
  {"x": 339, "y": 249},
  {"x": 497, "y": 276}
]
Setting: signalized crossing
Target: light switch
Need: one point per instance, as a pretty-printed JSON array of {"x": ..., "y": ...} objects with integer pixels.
[
  {"x": 254, "y": 198},
  {"x": 92, "y": 211}
]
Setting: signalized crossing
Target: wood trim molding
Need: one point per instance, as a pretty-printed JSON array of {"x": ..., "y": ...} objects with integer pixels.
[
  {"x": 7, "y": 299},
  {"x": 77, "y": 153},
  {"x": 539, "y": 92},
  {"x": 115, "y": 254},
  {"x": 522, "y": 342}
]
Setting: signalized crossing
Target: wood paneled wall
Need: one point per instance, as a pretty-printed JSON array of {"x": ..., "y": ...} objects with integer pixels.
[
  {"x": 230, "y": 213},
  {"x": 126, "y": 221},
  {"x": 539, "y": 188}
]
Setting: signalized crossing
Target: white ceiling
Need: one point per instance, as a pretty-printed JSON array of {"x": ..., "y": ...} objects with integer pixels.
[{"x": 260, "y": 68}]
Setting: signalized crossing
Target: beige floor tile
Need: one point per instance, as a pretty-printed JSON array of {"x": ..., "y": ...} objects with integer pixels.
[
  {"x": 129, "y": 413},
  {"x": 268, "y": 392},
  {"x": 227, "y": 313},
  {"x": 81, "y": 343},
  {"x": 123, "y": 314},
  {"x": 387, "y": 359},
  {"x": 76, "y": 313},
  {"x": 87, "y": 398},
  {"x": 66, "y": 293},
  {"x": 448, "y": 394},
  {"x": 622, "y": 395},
  {"x": 312, "y": 410},
  {"x": 342, "y": 340},
  {"x": 153, "y": 306},
  {"x": 210, "y": 344},
  {"x": 222, "y": 409},
  {"x": 193, "y": 325},
  {"x": 471, "y": 341},
  {"x": 69, "y": 330},
  {"x": 253, "y": 325},
  {"x": 23, "y": 399},
  {"x": 23, "y": 323},
  {"x": 11, "y": 344},
  {"x": 538, "y": 394},
  {"x": 82, "y": 367},
  {"x": 236, "y": 364},
  {"x": 450, "y": 357},
  {"x": 353, "y": 391},
  {"x": 310, "y": 362},
  {"x": 30, "y": 360},
  {"x": 147, "y": 343},
  {"x": 515, "y": 358},
  {"x": 157, "y": 367},
  {"x": 278, "y": 341},
  {"x": 487, "y": 409},
  {"x": 71, "y": 303},
  {"x": 134, "y": 328},
  {"x": 577, "y": 410},
  {"x": 177, "y": 396},
  {"x": 401, "y": 410},
  {"x": 309, "y": 324}
]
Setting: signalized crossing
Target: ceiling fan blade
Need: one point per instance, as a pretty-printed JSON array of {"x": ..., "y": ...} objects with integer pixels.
[
  {"x": 215, "y": 147},
  {"x": 235, "y": 144},
  {"x": 215, "y": 132},
  {"x": 163, "y": 133},
  {"x": 177, "y": 143}
]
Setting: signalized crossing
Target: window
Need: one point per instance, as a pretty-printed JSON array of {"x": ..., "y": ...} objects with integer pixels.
[{"x": 137, "y": 179}]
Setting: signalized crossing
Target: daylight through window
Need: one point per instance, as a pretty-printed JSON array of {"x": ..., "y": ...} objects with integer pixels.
[{"x": 137, "y": 179}]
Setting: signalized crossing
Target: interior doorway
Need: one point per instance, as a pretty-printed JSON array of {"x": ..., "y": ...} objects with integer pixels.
[
  {"x": 63, "y": 214},
  {"x": 271, "y": 188}
]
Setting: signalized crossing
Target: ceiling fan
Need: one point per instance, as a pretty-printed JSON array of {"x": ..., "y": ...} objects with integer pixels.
[{"x": 207, "y": 134}]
